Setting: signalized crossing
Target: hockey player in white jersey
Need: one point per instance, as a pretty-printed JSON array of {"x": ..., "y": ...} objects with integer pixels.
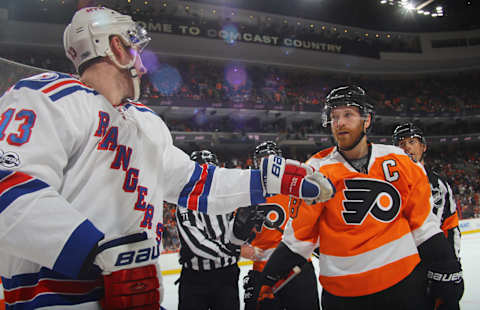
[{"x": 84, "y": 171}]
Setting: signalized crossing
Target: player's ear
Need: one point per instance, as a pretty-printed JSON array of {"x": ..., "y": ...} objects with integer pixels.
[
  {"x": 118, "y": 48},
  {"x": 366, "y": 123}
]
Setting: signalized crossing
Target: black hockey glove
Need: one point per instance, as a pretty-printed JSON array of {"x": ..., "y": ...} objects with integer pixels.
[
  {"x": 445, "y": 285},
  {"x": 246, "y": 219},
  {"x": 249, "y": 286}
]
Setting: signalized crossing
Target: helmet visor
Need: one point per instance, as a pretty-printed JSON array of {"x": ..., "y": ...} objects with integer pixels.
[
  {"x": 139, "y": 37},
  {"x": 327, "y": 111}
]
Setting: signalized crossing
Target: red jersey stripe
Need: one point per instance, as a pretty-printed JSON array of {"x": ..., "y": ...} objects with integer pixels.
[
  {"x": 198, "y": 189},
  {"x": 13, "y": 180},
  {"x": 59, "y": 84},
  {"x": 50, "y": 286}
]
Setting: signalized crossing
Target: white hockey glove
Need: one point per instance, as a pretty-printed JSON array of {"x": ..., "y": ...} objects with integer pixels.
[
  {"x": 131, "y": 273},
  {"x": 290, "y": 177}
]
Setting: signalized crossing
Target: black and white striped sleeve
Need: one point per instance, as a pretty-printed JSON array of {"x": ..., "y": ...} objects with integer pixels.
[
  {"x": 450, "y": 220},
  {"x": 204, "y": 235}
]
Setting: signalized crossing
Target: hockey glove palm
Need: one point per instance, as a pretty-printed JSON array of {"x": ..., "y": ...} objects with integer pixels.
[
  {"x": 131, "y": 274},
  {"x": 445, "y": 285},
  {"x": 290, "y": 177}
]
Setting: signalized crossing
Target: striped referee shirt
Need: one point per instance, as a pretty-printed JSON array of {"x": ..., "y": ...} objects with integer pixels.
[
  {"x": 204, "y": 239},
  {"x": 445, "y": 209}
]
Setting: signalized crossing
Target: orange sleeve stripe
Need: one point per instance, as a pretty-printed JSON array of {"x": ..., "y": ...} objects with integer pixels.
[
  {"x": 371, "y": 281},
  {"x": 450, "y": 222}
]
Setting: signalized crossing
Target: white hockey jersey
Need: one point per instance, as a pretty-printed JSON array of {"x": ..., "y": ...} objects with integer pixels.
[{"x": 75, "y": 169}]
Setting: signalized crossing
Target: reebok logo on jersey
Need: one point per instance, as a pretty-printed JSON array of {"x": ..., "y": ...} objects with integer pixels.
[{"x": 370, "y": 196}]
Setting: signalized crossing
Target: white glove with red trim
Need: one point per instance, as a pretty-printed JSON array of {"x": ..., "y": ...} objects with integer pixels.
[
  {"x": 131, "y": 273},
  {"x": 290, "y": 177}
]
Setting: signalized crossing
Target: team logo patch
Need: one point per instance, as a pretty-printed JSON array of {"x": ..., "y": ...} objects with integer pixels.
[
  {"x": 274, "y": 216},
  {"x": 45, "y": 77},
  {"x": 378, "y": 198},
  {"x": 9, "y": 159}
]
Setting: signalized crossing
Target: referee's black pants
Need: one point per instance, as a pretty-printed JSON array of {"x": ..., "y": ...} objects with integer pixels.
[{"x": 209, "y": 290}]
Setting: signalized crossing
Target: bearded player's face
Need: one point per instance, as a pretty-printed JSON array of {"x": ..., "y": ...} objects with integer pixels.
[{"x": 347, "y": 125}]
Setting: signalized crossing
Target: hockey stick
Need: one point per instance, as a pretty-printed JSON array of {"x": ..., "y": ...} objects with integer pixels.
[{"x": 281, "y": 283}]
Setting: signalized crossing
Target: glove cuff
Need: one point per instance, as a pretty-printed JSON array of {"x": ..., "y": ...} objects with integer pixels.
[{"x": 450, "y": 271}]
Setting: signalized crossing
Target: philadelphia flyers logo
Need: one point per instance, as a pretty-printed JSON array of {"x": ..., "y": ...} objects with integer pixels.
[
  {"x": 368, "y": 196},
  {"x": 274, "y": 216}
]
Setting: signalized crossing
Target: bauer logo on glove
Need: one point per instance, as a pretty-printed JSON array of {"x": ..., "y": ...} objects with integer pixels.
[{"x": 290, "y": 177}]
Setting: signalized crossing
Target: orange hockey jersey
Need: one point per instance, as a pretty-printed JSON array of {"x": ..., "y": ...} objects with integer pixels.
[
  {"x": 272, "y": 230},
  {"x": 369, "y": 231}
]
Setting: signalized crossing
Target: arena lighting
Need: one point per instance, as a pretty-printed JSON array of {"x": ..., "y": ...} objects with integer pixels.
[{"x": 424, "y": 8}]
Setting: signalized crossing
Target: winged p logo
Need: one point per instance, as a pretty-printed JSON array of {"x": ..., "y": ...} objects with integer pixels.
[{"x": 370, "y": 196}]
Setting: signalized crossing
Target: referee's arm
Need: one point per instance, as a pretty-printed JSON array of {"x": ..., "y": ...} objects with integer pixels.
[
  {"x": 450, "y": 221},
  {"x": 197, "y": 239}
]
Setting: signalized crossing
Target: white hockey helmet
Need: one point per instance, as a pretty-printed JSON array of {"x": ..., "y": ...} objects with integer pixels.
[{"x": 88, "y": 37}]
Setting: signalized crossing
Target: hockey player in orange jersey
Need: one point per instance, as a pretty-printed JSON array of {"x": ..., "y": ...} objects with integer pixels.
[
  {"x": 375, "y": 230},
  {"x": 265, "y": 226}
]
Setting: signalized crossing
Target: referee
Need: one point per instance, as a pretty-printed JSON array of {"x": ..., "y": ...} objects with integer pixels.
[
  {"x": 210, "y": 274},
  {"x": 410, "y": 138}
]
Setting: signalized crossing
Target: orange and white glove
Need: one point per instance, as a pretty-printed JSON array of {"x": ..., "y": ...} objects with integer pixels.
[{"x": 131, "y": 273}]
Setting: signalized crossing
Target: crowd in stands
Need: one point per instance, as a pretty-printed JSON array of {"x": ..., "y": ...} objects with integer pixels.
[
  {"x": 462, "y": 169},
  {"x": 204, "y": 83},
  {"x": 239, "y": 83}
]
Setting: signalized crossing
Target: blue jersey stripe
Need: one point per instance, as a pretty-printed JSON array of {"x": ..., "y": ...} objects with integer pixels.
[
  {"x": 32, "y": 279},
  {"x": 187, "y": 189},
  {"x": 256, "y": 189},
  {"x": 5, "y": 173},
  {"x": 81, "y": 242},
  {"x": 32, "y": 84},
  {"x": 46, "y": 300},
  {"x": 70, "y": 90},
  {"x": 203, "y": 200},
  {"x": 38, "y": 83},
  {"x": 12, "y": 194}
]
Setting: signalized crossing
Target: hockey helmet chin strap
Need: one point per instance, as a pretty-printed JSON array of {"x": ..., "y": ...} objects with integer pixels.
[{"x": 130, "y": 67}]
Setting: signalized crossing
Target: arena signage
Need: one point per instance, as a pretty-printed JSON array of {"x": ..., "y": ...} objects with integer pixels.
[{"x": 231, "y": 35}]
